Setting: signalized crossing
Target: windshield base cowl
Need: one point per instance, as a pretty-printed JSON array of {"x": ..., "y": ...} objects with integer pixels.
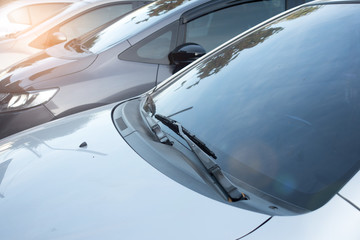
[{"x": 179, "y": 163}]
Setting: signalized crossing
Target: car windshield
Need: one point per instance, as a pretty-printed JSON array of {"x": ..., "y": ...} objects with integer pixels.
[
  {"x": 280, "y": 106},
  {"x": 131, "y": 24}
]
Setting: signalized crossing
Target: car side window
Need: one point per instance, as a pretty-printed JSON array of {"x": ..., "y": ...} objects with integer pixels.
[
  {"x": 93, "y": 19},
  {"x": 39, "y": 13},
  {"x": 35, "y": 14},
  {"x": 20, "y": 16},
  {"x": 83, "y": 23},
  {"x": 154, "y": 48},
  {"x": 217, "y": 27}
]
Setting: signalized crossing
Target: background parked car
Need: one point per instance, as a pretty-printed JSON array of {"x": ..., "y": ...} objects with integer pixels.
[
  {"x": 20, "y": 15},
  {"x": 54, "y": 22},
  {"x": 124, "y": 60},
  {"x": 219, "y": 150}
]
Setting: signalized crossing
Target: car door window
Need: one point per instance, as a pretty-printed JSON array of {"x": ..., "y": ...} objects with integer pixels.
[
  {"x": 154, "y": 48},
  {"x": 93, "y": 19},
  {"x": 157, "y": 48},
  {"x": 217, "y": 27},
  {"x": 20, "y": 16},
  {"x": 35, "y": 14},
  {"x": 82, "y": 24},
  {"x": 41, "y": 12}
]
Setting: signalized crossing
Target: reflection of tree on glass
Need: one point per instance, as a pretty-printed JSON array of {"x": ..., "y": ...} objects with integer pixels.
[
  {"x": 302, "y": 12},
  {"x": 161, "y": 7},
  {"x": 216, "y": 63}
]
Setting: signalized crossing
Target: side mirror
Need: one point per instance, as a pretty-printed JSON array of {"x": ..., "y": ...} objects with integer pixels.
[
  {"x": 185, "y": 54},
  {"x": 56, "y": 38}
]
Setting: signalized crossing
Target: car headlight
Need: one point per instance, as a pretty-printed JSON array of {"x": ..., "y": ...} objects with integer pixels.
[{"x": 19, "y": 101}]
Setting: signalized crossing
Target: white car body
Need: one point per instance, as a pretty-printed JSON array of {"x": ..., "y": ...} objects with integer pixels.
[
  {"x": 77, "y": 178},
  {"x": 53, "y": 189}
]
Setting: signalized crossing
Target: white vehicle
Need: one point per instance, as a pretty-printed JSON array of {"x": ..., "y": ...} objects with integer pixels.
[
  {"x": 259, "y": 139},
  {"x": 21, "y": 15},
  {"x": 27, "y": 27}
]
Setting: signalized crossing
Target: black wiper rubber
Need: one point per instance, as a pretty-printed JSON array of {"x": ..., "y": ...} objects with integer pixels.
[
  {"x": 221, "y": 183},
  {"x": 172, "y": 124}
]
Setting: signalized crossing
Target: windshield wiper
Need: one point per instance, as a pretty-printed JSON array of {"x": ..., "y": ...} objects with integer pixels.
[
  {"x": 172, "y": 124},
  {"x": 150, "y": 107},
  {"x": 227, "y": 189}
]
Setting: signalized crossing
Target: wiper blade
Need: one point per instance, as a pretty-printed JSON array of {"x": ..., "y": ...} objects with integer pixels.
[
  {"x": 227, "y": 189},
  {"x": 172, "y": 124}
]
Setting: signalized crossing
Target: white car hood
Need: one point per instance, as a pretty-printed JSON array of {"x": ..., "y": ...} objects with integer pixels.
[
  {"x": 351, "y": 193},
  {"x": 51, "y": 188}
]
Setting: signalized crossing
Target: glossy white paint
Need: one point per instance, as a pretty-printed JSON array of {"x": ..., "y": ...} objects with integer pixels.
[
  {"x": 335, "y": 220},
  {"x": 50, "y": 188},
  {"x": 53, "y": 189}
]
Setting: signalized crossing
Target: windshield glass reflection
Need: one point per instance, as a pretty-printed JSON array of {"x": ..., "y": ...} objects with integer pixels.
[{"x": 283, "y": 120}]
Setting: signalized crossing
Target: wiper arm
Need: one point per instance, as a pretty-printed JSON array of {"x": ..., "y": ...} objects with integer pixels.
[
  {"x": 227, "y": 189},
  {"x": 150, "y": 107},
  {"x": 172, "y": 124}
]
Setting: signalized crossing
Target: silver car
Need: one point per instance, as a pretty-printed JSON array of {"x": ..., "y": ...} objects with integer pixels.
[
  {"x": 124, "y": 60},
  {"x": 257, "y": 140},
  {"x": 50, "y": 22}
]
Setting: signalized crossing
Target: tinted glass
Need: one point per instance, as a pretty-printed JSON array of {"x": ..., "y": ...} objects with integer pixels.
[
  {"x": 217, "y": 27},
  {"x": 280, "y": 107},
  {"x": 157, "y": 48},
  {"x": 154, "y": 48}
]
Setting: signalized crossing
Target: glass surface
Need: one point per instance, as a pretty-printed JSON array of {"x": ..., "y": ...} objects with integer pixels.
[
  {"x": 131, "y": 24},
  {"x": 158, "y": 48},
  {"x": 93, "y": 19},
  {"x": 280, "y": 107},
  {"x": 32, "y": 15},
  {"x": 41, "y": 12},
  {"x": 215, "y": 28},
  {"x": 20, "y": 16},
  {"x": 154, "y": 48}
]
